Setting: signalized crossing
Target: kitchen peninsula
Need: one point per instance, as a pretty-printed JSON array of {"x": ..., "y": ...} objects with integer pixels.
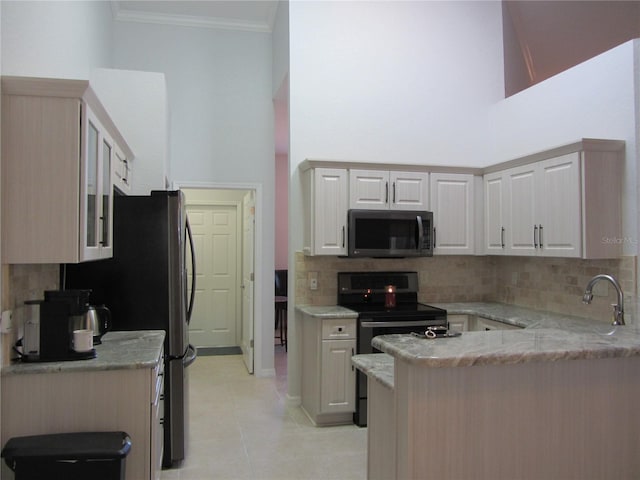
[
  {"x": 119, "y": 390},
  {"x": 531, "y": 403}
]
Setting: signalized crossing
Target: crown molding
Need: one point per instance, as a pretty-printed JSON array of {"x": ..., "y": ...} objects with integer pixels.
[{"x": 158, "y": 18}]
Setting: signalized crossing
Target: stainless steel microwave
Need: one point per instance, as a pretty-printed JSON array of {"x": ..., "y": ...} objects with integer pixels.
[{"x": 390, "y": 233}]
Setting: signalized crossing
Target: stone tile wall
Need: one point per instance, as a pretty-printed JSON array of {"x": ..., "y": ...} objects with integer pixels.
[
  {"x": 540, "y": 283},
  {"x": 21, "y": 283}
]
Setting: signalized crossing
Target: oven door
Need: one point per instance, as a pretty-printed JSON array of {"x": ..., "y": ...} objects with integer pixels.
[{"x": 369, "y": 328}]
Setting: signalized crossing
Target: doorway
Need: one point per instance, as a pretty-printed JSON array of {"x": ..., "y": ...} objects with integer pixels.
[{"x": 223, "y": 223}]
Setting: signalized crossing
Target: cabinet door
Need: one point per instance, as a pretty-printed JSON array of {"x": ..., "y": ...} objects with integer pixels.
[
  {"x": 369, "y": 189},
  {"x": 459, "y": 323},
  {"x": 106, "y": 196},
  {"x": 90, "y": 217},
  {"x": 451, "y": 201},
  {"x": 122, "y": 170},
  {"x": 494, "y": 213},
  {"x": 522, "y": 231},
  {"x": 409, "y": 190},
  {"x": 97, "y": 191},
  {"x": 337, "y": 387},
  {"x": 559, "y": 196},
  {"x": 330, "y": 211}
]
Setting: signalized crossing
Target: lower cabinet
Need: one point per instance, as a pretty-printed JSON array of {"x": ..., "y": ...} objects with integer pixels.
[
  {"x": 328, "y": 377},
  {"x": 472, "y": 323},
  {"x": 459, "y": 323},
  {"x": 128, "y": 400}
]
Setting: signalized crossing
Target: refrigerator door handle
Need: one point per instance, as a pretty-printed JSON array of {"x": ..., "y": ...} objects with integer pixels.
[
  {"x": 193, "y": 272},
  {"x": 190, "y": 356}
]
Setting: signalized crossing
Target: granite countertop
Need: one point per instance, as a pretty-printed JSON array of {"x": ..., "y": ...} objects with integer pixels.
[
  {"x": 327, "y": 311},
  {"x": 118, "y": 351},
  {"x": 545, "y": 336},
  {"x": 376, "y": 365}
]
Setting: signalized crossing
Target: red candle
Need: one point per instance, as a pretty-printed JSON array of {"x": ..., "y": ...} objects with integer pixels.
[{"x": 390, "y": 296}]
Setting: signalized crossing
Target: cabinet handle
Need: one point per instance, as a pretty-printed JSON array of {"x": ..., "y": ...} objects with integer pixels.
[
  {"x": 394, "y": 192},
  {"x": 352, "y": 354},
  {"x": 540, "y": 236},
  {"x": 386, "y": 192},
  {"x": 434, "y": 237},
  {"x": 343, "y": 236},
  {"x": 502, "y": 236},
  {"x": 535, "y": 236}
]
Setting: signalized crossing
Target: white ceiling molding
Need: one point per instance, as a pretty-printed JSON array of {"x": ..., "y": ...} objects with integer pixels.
[{"x": 216, "y": 16}]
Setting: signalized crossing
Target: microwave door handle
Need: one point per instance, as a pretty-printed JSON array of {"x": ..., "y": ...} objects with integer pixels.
[{"x": 420, "y": 232}]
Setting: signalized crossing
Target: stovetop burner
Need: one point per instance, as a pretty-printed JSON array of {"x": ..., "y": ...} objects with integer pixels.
[
  {"x": 364, "y": 292},
  {"x": 400, "y": 309}
]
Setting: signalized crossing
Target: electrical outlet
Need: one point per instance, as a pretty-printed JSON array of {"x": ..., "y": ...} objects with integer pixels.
[
  {"x": 312, "y": 278},
  {"x": 6, "y": 321}
]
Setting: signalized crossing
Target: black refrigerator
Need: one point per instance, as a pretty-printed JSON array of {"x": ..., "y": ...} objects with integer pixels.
[{"x": 145, "y": 286}]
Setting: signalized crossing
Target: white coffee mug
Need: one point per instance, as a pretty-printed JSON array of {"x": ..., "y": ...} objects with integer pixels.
[{"x": 82, "y": 340}]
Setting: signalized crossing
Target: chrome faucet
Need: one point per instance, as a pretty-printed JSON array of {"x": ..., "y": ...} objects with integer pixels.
[{"x": 618, "y": 309}]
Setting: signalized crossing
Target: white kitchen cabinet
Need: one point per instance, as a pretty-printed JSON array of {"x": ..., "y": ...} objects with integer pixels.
[
  {"x": 495, "y": 215},
  {"x": 76, "y": 400},
  {"x": 568, "y": 205},
  {"x": 453, "y": 216},
  {"x": 459, "y": 323},
  {"x": 122, "y": 171},
  {"x": 383, "y": 190},
  {"x": 328, "y": 377},
  {"x": 325, "y": 231},
  {"x": 58, "y": 147},
  {"x": 480, "y": 324}
]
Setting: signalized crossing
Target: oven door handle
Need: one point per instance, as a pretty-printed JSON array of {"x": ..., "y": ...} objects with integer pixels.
[{"x": 417, "y": 323}]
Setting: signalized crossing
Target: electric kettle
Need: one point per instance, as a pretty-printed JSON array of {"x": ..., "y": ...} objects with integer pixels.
[{"x": 98, "y": 319}]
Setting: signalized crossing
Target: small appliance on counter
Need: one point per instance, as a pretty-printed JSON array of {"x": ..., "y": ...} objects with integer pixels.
[{"x": 59, "y": 327}]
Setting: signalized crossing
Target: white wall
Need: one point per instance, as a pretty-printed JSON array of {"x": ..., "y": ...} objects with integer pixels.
[
  {"x": 282, "y": 218},
  {"x": 391, "y": 82},
  {"x": 55, "y": 39},
  {"x": 596, "y": 99},
  {"x": 137, "y": 103},
  {"x": 219, "y": 84}
]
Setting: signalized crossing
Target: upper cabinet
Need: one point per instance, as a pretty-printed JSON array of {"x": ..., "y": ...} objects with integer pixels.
[
  {"x": 58, "y": 167},
  {"x": 452, "y": 196},
  {"x": 383, "y": 190},
  {"x": 568, "y": 205},
  {"x": 325, "y": 231}
]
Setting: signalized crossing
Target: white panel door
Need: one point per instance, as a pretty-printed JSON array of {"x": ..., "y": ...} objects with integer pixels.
[
  {"x": 214, "y": 322},
  {"x": 337, "y": 385},
  {"x": 248, "y": 228},
  {"x": 330, "y": 212},
  {"x": 451, "y": 201},
  {"x": 560, "y": 217},
  {"x": 409, "y": 190},
  {"x": 369, "y": 189},
  {"x": 494, "y": 213},
  {"x": 522, "y": 236}
]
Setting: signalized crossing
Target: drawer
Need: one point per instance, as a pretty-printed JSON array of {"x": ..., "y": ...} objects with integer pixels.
[{"x": 338, "y": 328}]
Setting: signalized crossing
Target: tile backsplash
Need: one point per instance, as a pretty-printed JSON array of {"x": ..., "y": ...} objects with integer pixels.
[
  {"x": 21, "y": 283},
  {"x": 552, "y": 284}
]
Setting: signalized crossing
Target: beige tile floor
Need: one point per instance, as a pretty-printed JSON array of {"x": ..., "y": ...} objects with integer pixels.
[{"x": 241, "y": 428}]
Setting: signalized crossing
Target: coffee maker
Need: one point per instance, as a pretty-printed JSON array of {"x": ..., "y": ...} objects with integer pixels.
[{"x": 50, "y": 336}]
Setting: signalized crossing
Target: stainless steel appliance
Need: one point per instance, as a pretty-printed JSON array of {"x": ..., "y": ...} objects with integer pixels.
[
  {"x": 146, "y": 287},
  {"x": 366, "y": 293},
  {"x": 48, "y": 333},
  {"x": 390, "y": 233}
]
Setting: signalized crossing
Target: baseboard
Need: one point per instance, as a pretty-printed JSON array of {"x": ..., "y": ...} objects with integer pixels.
[{"x": 210, "y": 351}]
